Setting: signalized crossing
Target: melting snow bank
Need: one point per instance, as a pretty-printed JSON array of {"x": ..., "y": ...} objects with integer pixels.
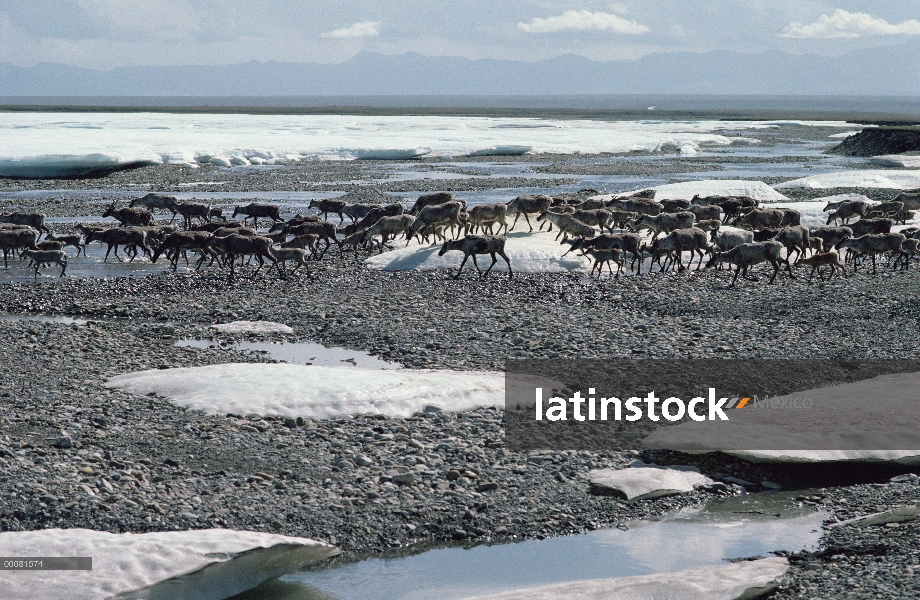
[
  {"x": 748, "y": 579},
  {"x": 206, "y": 564},
  {"x": 37, "y": 167},
  {"x": 643, "y": 481},
  {"x": 315, "y": 391},
  {"x": 253, "y": 327},
  {"x": 536, "y": 252},
  {"x": 865, "y": 178},
  {"x": 719, "y": 187},
  {"x": 897, "y": 160}
]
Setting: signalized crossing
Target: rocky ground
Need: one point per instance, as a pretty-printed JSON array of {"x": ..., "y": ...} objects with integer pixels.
[{"x": 76, "y": 454}]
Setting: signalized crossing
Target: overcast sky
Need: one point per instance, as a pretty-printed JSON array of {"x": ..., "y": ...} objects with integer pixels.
[{"x": 109, "y": 33}]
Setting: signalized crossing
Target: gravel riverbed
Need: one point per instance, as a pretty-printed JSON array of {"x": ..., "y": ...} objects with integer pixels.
[{"x": 74, "y": 453}]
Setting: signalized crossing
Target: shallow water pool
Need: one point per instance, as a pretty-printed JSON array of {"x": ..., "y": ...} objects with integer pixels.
[
  {"x": 301, "y": 353},
  {"x": 737, "y": 527}
]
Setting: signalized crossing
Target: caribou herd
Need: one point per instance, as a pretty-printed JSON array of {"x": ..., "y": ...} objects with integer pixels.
[{"x": 622, "y": 229}]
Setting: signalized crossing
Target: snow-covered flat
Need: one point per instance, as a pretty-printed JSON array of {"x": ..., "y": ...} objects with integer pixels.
[
  {"x": 314, "y": 391},
  {"x": 747, "y": 579},
  {"x": 719, "y": 187},
  {"x": 58, "y": 144},
  {"x": 536, "y": 252},
  {"x": 865, "y": 178},
  {"x": 645, "y": 481},
  {"x": 206, "y": 564},
  {"x": 253, "y": 327},
  {"x": 910, "y": 161}
]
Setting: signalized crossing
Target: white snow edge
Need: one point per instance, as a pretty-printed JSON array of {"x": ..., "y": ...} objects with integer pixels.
[
  {"x": 736, "y": 581},
  {"x": 253, "y": 327},
  {"x": 649, "y": 481},
  {"x": 206, "y": 564},
  {"x": 285, "y": 390}
]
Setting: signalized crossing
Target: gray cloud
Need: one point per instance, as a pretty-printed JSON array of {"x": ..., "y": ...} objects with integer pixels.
[{"x": 63, "y": 19}]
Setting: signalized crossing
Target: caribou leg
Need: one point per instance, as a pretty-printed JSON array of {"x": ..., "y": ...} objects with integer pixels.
[{"x": 457, "y": 276}]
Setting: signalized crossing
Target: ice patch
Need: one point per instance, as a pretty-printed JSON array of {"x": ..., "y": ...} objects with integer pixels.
[
  {"x": 910, "y": 161},
  {"x": 688, "y": 150},
  {"x": 253, "y": 327},
  {"x": 649, "y": 481},
  {"x": 865, "y": 178},
  {"x": 206, "y": 564},
  {"x": 70, "y": 166},
  {"x": 390, "y": 153},
  {"x": 502, "y": 151},
  {"x": 844, "y": 134},
  {"x": 530, "y": 252},
  {"x": 898, "y": 514},
  {"x": 718, "y": 187},
  {"x": 736, "y": 581},
  {"x": 315, "y": 391}
]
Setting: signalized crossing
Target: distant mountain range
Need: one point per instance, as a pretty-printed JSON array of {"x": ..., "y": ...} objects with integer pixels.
[{"x": 881, "y": 71}]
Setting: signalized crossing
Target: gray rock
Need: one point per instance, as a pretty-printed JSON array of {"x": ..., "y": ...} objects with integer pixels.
[{"x": 405, "y": 478}]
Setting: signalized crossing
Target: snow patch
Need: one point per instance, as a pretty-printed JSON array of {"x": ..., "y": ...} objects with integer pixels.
[
  {"x": 315, "y": 391},
  {"x": 865, "y": 178},
  {"x": 206, "y": 564},
  {"x": 529, "y": 252},
  {"x": 253, "y": 327},
  {"x": 502, "y": 151},
  {"x": 645, "y": 481},
  {"x": 718, "y": 187},
  {"x": 910, "y": 161},
  {"x": 898, "y": 514},
  {"x": 747, "y": 579},
  {"x": 844, "y": 134},
  {"x": 71, "y": 166},
  {"x": 843, "y": 198}
]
